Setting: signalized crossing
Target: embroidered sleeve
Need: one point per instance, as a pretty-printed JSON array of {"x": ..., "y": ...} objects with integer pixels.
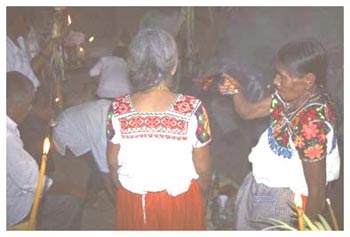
[
  {"x": 112, "y": 124},
  {"x": 203, "y": 133},
  {"x": 309, "y": 135}
]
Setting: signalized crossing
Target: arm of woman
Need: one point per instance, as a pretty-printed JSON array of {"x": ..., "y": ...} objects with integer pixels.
[
  {"x": 310, "y": 138},
  {"x": 112, "y": 160},
  {"x": 243, "y": 107},
  {"x": 315, "y": 175},
  {"x": 202, "y": 164}
]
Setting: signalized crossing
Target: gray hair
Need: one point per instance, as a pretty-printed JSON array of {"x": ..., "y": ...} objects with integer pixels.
[{"x": 152, "y": 56}]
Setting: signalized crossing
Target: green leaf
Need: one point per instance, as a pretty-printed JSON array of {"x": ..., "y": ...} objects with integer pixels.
[
  {"x": 309, "y": 223},
  {"x": 324, "y": 223}
]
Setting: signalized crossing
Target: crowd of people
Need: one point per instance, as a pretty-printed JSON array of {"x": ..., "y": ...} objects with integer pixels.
[{"x": 151, "y": 144}]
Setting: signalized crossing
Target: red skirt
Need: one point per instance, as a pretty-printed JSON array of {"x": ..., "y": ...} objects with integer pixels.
[{"x": 160, "y": 210}]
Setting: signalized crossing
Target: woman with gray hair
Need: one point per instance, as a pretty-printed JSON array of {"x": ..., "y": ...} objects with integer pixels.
[{"x": 158, "y": 148}]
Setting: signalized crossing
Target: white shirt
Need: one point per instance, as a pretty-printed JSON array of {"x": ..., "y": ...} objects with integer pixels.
[
  {"x": 17, "y": 60},
  {"x": 275, "y": 171},
  {"x": 113, "y": 72},
  {"x": 21, "y": 176},
  {"x": 156, "y": 148},
  {"x": 82, "y": 128}
]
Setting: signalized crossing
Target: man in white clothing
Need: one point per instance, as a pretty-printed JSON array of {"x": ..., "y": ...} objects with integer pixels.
[
  {"x": 16, "y": 58},
  {"x": 113, "y": 75},
  {"x": 21, "y": 168},
  {"x": 60, "y": 205},
  {"x": 81, "y": 129}
]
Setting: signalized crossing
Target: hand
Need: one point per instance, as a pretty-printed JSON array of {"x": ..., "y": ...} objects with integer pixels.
[{"x": 229, "y": 86}]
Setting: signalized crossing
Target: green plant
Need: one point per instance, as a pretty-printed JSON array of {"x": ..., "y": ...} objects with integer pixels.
[{"x": 318, "y": 225}]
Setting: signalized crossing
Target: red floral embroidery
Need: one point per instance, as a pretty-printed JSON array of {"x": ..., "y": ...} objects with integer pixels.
[
  {"x": 121, "y": 105},
  {"x": 276, "y": 113},
  {"x": 310, "y": 130},
  {"x": 185, "y": 104},
  {"x": 307, "y": 116},
  {"x": 314, "y": 152}
]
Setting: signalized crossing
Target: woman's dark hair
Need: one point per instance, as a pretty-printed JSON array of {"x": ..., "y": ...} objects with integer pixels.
[
  {"x": 304, "y": 56},
  {"x": 152, "y": 56}
]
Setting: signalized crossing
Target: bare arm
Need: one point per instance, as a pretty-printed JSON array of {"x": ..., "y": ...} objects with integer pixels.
[
  {"x": 315, "y": 175},
  {"x": 243, "y": 107},
  {"x": 112, "y": 159},
  {"x": 202, "y": 164}
]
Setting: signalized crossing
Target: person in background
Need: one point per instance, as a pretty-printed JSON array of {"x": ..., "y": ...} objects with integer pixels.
[
  {"x": 81, "y": 129},
  {"x": 113, "y": 75},
  {"x": 158, "y": 143},
  {"x": 298, "y": 153},
  {"x": 16, "y": 59},
  {"x": 60, "y": 205}
]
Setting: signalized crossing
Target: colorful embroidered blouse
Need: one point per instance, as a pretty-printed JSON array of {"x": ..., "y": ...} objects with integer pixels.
[
  {"x": 305, "y": 134},
  {"x": 156, "y": 147},
  {"x": 307, "y": 126}
]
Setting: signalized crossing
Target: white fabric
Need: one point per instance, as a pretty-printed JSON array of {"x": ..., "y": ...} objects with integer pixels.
[
  {"x": 21, "y": 176},
  {"x": 276, "y": 171},
  {"x": 17, "y": 60},
  {"x": 82, "y": 128},
  {"x": 113, "y": 72},
  {"x": 140, "y": 159}
]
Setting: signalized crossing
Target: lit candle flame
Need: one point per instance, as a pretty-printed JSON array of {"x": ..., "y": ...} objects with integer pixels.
[
  {"x": 81, "y": 49},
  {"x": 92, "y": 38},
  {"x": 57, "y": 99},
  {"x": 69, "y": 20},
  {"x": 46, "y": 147}
]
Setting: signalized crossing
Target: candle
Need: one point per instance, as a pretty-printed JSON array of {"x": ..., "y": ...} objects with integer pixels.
[
  {"x": 92, "y": 38},
  {"x": 331, "y": 212},
  {"x": 33, "y": 214},
  {"x": 69, "y": 19},
  {"x": 299, "y": 208}
]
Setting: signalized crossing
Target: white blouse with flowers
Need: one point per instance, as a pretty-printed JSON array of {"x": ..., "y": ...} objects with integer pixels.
[
  {"x": 307, "y": 134},
  {"x": 156, "y": 147}
]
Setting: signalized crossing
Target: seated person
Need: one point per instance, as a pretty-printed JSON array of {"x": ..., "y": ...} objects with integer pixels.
[{"x": 60, "y": 205}]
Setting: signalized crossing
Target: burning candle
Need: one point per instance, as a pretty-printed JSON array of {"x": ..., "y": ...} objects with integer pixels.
[
  {"x": 331, "y": 212},
  {"x": 92, "y": 38},
  {"x": 33, "y": 214},
  {"x": 69, "y": 19},
  {"x": 299, "y": 208}
]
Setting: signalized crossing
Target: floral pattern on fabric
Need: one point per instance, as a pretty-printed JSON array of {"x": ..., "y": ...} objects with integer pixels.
[
  {"x": 109, "y": 126},
  {"x": 185, "y": 104},
  {"x": 171, "y": 124},
  {"x": 203, "y": 128},
  {"x": 121, "y": 105},
  {"x": 307, "y": 126}
]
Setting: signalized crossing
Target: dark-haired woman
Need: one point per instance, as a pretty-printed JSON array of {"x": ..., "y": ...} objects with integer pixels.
[{"x": 298, "y": 153}]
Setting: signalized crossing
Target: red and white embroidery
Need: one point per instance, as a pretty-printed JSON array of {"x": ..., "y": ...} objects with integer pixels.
[{"x": 171, "y": 124}]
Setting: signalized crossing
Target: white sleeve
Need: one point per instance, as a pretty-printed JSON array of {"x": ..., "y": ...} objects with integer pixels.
[
  {"x": 22, "y": 168},
  {"x": 96, "y": 69}
]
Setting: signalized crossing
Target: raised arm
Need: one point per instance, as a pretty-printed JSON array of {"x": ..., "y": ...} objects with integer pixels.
[{"x": 243, "y": 107}]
